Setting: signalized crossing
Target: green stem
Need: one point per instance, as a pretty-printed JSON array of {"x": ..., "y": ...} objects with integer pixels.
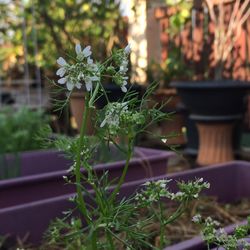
[
  {"x": 94, "y": 241},
  {"x": 80, "y": 200},
  {"x": 176, "y": 214},
  {"x": 92, "y": 99},
  {"x": 110, "y": 240},
  {"x": 161, "y": 226},
  {"x": 124, "y": 172}
]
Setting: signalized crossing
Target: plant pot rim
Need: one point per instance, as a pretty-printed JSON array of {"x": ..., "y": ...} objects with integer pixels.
[
  {"x": 209, "y": 84},
  {"x": 144, "y": 155}
]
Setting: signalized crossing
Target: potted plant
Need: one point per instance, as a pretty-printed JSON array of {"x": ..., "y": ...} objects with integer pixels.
[
  {"x": 95, "y": 195},
  {"x": 217, "y": 120}
]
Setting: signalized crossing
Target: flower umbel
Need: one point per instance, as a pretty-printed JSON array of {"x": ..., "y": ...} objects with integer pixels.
[
  {"x": 84, "y": 71},
  {"x": 118, "y": 117}
]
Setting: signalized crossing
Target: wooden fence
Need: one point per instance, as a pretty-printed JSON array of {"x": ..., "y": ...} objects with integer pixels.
[{"x": 195, "y": 40}]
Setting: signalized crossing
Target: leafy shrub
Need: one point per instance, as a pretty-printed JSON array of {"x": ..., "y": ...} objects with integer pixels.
[{"x": 18, "y": 129}]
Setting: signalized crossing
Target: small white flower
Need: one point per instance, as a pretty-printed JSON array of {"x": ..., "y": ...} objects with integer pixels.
[
  {"x": 89, "y": 60},
  {"x": 196, "y": 218},
  {"x": 124, "y": 66},
  {"x": 61, "y": 71},
  {"x": 61, "y": 61},
  {"x": 80, "y": 77},
  {"x": 87, "y": 51},
  {"x": 164, "y": 140},
  {"x": 123, "y": 87},
  {"x": 62, "y": 80},
  {"x": 88, "y": 83},
  {"x": 69, "y": 85},
  {"x": 78, "y": 49},
  {"x": 81, "y": 54},
  {"x": 95, "y": 78},
  {"x": 78, "y": 85},
  {"x": 127, "y": 49}
]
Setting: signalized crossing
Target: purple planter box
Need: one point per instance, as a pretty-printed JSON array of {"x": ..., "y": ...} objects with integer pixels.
[
  {"x": 230, "y": 182},
  {"x": 42, "y": 174}
]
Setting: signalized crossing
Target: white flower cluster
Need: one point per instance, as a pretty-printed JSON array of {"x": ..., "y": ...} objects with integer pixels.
[
  {"x": 84, "y": 71},
  {"x": 153, "y": 192},
  {"x": 197, "y": 218},
  {"x": 112, "y": 114},
  {"x": 120, "y": 77},
  {"x": 190, "y": 190},
  {"x": 156, "y": 190},
  {"x": 118, "y": 115}
]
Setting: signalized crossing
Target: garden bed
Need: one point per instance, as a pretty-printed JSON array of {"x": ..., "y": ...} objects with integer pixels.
[
  {"x": 42, "y": 174},
  {"x": 39, "y": 213}
]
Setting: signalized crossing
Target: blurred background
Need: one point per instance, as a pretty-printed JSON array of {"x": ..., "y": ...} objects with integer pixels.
[{"x": 170, "y": 39}]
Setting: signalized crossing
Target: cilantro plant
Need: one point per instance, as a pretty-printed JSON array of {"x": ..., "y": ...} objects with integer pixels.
[
  {"x": 219, "y": 237},
  {"x": 106, "y": 219}
]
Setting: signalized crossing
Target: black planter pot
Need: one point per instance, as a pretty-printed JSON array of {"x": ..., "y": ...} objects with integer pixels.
[
  {"x": 114, "y": 93},
  {"x": 218, "y": 99},
  {"x": 213, "y": 103}
]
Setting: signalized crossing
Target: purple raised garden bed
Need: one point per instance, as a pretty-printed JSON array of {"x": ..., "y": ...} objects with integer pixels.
[
  {"x": 42, "y": 174},
  {"x": 229, "y": 182}
]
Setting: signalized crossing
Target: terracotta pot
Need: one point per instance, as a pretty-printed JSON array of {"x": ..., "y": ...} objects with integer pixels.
[{"x": 77, "y": 109}]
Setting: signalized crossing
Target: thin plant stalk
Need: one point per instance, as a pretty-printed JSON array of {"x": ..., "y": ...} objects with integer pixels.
[
  {"x": 80, "y": 200},
  {"x": 124, "y": 172}
]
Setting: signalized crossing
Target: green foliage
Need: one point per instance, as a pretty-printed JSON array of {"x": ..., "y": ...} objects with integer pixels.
[
  {"x": 58, "y": 25},
  {"x": 19, "y": 128},
  {"x": 182, "y": 14},
  {"x": 121, "y": 219},
  {"x": 173, "y": 68}
]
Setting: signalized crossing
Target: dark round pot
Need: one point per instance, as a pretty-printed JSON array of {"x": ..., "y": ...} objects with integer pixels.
[
  {"x": 213, "y": 98},
  {"x": 115, "y": 94}
]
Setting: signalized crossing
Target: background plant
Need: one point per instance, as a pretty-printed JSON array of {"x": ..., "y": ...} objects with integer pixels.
[
  {"x": 56, "y": 25},
  {"x": 226, "y": 32},
  {"x": 19, "y": 130},
  {"x": 174, "y": 67}
]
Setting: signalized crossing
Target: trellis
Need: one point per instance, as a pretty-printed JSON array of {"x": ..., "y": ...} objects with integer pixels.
[{"x": 33, "y": 99}]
